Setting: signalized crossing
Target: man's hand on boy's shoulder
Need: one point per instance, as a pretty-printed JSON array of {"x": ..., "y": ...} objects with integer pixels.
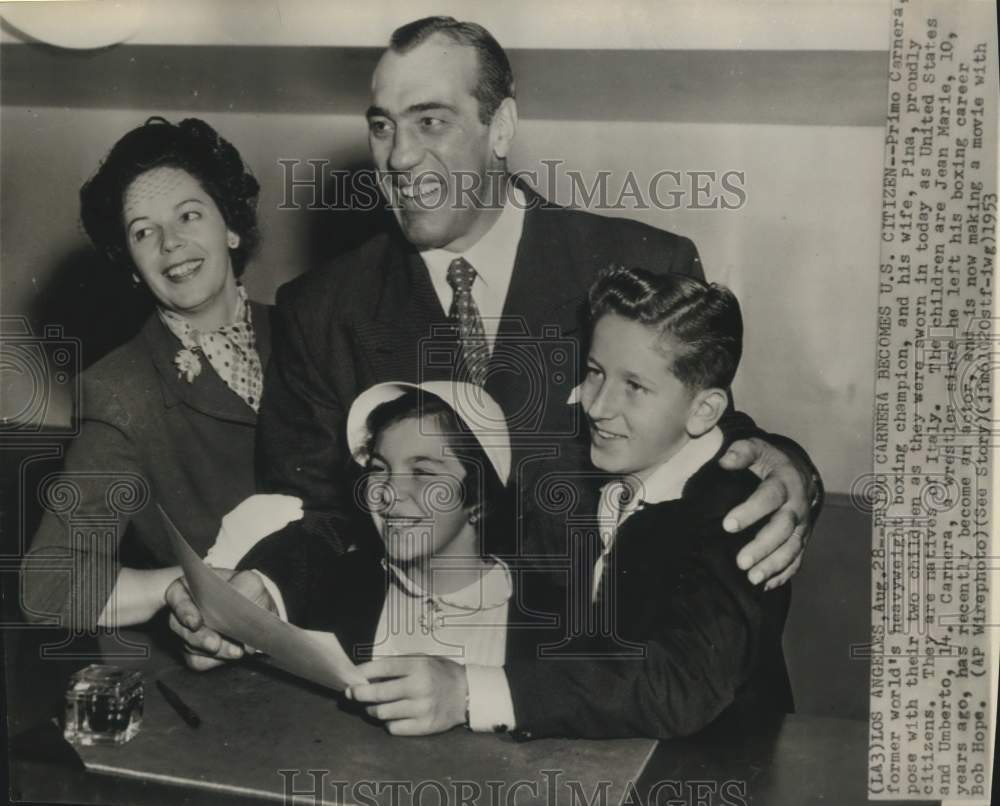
[{"x": 790, "y": 492}]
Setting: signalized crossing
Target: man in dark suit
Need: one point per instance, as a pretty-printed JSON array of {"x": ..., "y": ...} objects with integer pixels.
[{"x": 484, "y": 279}]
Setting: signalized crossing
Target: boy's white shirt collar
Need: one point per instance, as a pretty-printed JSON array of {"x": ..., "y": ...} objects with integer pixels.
[{"x": 666, "y": 483}]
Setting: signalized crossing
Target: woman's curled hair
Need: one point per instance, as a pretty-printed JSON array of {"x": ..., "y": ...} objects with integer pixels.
[{"x": 192, "y": 146}]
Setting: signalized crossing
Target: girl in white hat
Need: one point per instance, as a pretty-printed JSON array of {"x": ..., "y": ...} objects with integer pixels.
[
  {"x": 436, "y": 459},
  {"x": 425, "y": 608}
]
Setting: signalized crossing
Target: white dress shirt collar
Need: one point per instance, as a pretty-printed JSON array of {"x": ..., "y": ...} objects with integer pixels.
[
  {"x": 492, "y": 256},
  {"x": 666, "y": 482}
]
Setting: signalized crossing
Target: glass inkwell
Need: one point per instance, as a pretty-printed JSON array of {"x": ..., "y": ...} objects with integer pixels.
[{"x": 103, "y": 705}]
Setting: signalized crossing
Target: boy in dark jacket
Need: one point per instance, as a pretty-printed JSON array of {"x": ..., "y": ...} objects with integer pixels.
[{"x": 681, "y": 635}]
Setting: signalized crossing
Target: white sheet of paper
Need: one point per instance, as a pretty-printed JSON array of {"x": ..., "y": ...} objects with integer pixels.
[{"x": 309, "y": 654}]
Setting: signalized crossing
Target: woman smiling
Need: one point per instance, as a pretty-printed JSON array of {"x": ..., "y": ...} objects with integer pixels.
[{"x": 171, "y": 414}]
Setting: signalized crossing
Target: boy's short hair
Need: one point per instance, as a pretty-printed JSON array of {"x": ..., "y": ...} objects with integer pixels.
[{"x": 700, "y": 321}]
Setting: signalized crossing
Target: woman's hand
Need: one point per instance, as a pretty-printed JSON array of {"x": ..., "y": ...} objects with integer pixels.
[
  {"x": 785, "y": 493},
  {"x": 204, "y": 648},
  {"x": 413, "y": 695},
  {"x": 137, "y": 596}
]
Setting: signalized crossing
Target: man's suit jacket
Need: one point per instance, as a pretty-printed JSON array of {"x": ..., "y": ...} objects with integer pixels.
[
  {"x": 146, "y": 437},
  {"x": 371, "y": 317}
]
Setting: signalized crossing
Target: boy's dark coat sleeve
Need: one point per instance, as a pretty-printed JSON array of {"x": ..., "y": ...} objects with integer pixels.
[
  {"x": 324, "y": 589},
  {"x": 317, "y": 581},
  {"x": 289, "y": 558}
]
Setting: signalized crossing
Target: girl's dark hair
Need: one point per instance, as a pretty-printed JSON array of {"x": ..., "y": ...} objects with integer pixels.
[
  {"x": 702, "y": 321},
  {"x": 191, "y": 145},
  {"x": 481, "y": 485}
]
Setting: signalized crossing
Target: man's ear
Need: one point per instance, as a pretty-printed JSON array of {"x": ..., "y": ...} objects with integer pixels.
[
  {"x": 503, "y": 127},
  {"x": 706, "y": 410}
]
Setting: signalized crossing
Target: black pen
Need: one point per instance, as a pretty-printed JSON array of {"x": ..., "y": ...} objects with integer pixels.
[{"x": 182, "y": 708}]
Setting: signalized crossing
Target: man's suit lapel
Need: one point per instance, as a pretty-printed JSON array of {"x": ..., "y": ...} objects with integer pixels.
[
  {"x": 260, "y": 317},
  {"x": 408, "y": 324},
  {"x": 536, "y": 351},
  {"x": 544, "y": 282},
  {"x": 207, "y": 393},
  {"x": 408, "y": 336},
  {"x": 408, "y": 299}
]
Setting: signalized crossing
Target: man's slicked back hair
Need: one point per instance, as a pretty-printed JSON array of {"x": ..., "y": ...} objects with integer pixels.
[{"x": 495, "y": 81}]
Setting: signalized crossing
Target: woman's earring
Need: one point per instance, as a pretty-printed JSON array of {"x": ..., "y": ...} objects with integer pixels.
[
  {"x": 475, "y": 514},
  {"x": 233, "y": 240}
]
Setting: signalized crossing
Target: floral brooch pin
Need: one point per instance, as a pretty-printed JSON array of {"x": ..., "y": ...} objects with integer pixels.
[{"x": 188, "y": 364}]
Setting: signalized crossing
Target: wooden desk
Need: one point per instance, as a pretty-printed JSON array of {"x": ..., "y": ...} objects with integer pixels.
[{"x": 795, "y": 760}]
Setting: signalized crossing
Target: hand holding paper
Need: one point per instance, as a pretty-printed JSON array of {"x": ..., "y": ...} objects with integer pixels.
[
  {"x": 314, "y": 656},
  {"x": 204, "y": 648}
]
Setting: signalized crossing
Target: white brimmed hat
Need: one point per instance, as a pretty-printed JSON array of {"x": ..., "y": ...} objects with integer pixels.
[{"x": 480, "y": 413}]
